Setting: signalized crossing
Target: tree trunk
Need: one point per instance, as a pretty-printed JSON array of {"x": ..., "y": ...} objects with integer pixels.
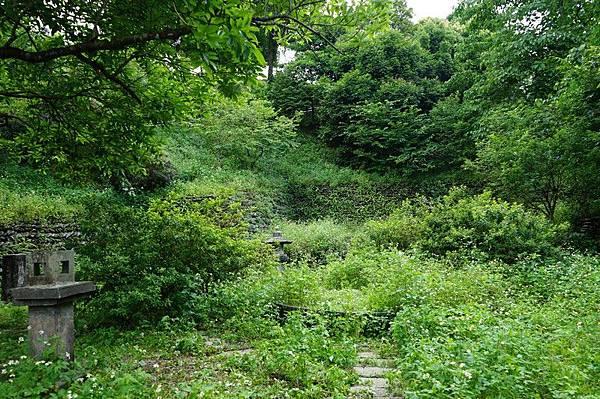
[{"x": 272, "y": 48}]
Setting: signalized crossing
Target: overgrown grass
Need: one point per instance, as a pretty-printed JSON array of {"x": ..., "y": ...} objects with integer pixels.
[
  {"x": 171, "y": 361},
  {"x": 27, "y": 196},
  {"x": 276, "y": 184},
  {"x": 483, "y": 330}
]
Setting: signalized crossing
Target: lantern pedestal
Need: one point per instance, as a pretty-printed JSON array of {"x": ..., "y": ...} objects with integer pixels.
[{"x": 51, "y": 325}]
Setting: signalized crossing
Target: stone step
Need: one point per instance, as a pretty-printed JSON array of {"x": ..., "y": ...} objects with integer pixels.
[
  {"x": 369, "y": 358},
  {"x": 371, "y": 371},
  {"x": 367, "y": 355},
  {"x": 382, "y": 363}
]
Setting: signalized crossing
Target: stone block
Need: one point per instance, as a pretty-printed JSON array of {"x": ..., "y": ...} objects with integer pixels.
[
  {"x": 50, "y": 267},
  {"x": 51, "y": 328},
  {"x": 14, "y": 274},
  {"x": 51, "y": 324},
  {"x": 51, "y": 294}
]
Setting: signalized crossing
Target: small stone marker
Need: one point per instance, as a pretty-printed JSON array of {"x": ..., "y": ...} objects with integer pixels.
[
  {"x": 48, "y": 287},
  {"x": 278, "y": 242}
]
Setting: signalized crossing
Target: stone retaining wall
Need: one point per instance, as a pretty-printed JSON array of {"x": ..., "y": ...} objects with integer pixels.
[{"x": 47, "y": 234}]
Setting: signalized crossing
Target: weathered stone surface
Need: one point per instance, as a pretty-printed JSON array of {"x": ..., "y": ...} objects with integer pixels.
[
  {"x": 47, "y": 234},
  {"x": 377, "y": 386},
  {"x": 371, "y": 371},
  {"x": 14, "y": 274},
  {"x": 48, "y": 267},
  {"x": 51, "y": 328},
  {"x": 51, "y": 294},
  {"x": 366, "y": 355}
]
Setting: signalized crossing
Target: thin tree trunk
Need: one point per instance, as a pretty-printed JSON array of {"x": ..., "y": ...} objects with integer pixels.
[{"x": 272, "y": 48}]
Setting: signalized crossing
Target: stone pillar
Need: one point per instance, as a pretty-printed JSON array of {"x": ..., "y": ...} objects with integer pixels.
[
  {"x": 14, "y": 274},
  {"x": 51, "y": 328},
  {"x": 51, "y": 324}
]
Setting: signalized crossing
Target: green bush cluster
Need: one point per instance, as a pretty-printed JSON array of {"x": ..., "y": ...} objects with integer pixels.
[
  {"x": 311, "y": 360},
  {"x": 386, "y": 280},
  {"x": 384, "y": 103},
  {"x": 52, "y": 378},
  {"x": 234, "y": 135},
  {"x": 468, "y": 227},
  {"x": 156, "y": 261}
]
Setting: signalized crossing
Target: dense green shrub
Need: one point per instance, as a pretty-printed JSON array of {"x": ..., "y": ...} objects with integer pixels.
[
  {"x": 464, "y": 226},
  {"x": 487, "y": 228},
  {"x": 298, "y": 351},
  {"x": 154, "y": 262},
  {"x": 543, "y": 279},
  {"x": 28, "y": 378},
  {"x": 402, "y": 228},
  {"x": 245, "y": 133},
  {"x": 299, "y": 360},
  {"x": 297, "y": 286},
  {"x": 353, "y": 272},
  {"x": 392, "y": 280},
  {"x": 378, "y": 102}
]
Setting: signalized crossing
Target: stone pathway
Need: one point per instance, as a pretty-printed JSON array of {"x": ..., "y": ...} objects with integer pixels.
[{"x": 371, "y": 370}]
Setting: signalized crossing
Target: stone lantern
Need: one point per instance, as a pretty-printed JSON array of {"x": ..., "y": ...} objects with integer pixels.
[
  {"x": 45, "y": 282},
  {"x": 278, "y": 242}
]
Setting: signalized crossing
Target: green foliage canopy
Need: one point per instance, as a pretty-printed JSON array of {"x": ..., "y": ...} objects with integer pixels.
[
  {"x": 82, "y": 84},
  {"x": 376, "y": 101},
  {"x": 535, "y": 78}
]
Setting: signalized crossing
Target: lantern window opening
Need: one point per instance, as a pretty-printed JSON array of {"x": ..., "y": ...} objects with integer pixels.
[
  {"x": 38, "y": 268},
  {"x": 64, "y": 267}
]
